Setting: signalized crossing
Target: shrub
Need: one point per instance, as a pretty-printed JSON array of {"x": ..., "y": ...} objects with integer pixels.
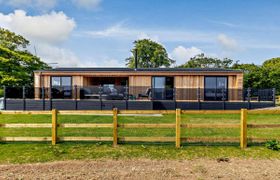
[
  {"x": 273, "y": 144},
  {"x": 1, "y": 93}
]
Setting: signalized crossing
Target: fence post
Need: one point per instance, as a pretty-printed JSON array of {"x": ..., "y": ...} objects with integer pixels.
[
  {"x": 243, "y": 129},
  {"x": 178, "y": 128},
  {"x": 54, "y": 126},
  {"x": 115, "y": 127}
]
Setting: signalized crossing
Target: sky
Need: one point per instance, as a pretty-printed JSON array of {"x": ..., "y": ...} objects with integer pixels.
[{"x": 100, "y": 33}]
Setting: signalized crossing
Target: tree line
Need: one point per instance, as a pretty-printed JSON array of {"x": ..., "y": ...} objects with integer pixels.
[{"x": 17, "y": 63}]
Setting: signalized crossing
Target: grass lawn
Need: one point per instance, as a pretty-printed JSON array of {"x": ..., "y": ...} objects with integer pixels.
[{"x": 41, "y": 152}]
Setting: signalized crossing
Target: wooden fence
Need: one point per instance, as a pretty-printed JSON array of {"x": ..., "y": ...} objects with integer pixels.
[{"x": 178, "y": 126}]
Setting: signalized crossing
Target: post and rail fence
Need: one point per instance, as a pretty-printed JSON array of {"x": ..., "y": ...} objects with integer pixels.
[{"x": 115, "y": 139}]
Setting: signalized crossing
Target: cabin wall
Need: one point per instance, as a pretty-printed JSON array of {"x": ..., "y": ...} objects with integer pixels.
[
  {"x": 139, "y": 84},
  {"x": 186, "y": 85}
]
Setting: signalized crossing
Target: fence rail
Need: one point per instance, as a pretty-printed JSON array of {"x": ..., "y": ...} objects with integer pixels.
[{"x": 178, "y": 126}]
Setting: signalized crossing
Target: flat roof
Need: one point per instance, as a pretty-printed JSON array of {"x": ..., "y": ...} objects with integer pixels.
[{"x": 81, "y": 69}]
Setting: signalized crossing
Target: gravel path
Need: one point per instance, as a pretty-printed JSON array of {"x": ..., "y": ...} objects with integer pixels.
[{"x": 145, "y": 169}]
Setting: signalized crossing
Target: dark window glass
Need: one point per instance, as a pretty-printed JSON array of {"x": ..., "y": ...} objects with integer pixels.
[
  {"x": 215, "y": 88},
  {"x": 61, "y": 87},
  {"x": 162, "y": 88}
]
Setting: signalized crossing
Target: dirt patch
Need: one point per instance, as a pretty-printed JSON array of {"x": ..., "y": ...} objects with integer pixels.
[{"x": 145, "y": 169}]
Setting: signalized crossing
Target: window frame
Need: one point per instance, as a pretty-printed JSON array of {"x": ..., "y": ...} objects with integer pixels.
[{"x": 216, "y": 98}]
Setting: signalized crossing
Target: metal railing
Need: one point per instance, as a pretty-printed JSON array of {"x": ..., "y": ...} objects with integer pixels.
[{"x": 139, "y": 93}]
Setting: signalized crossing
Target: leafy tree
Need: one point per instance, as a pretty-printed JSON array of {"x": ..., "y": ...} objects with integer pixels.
[
  {"x": 150, "y": 55},
  {"x": 271, "y": 72},
  {"x": 202, "y": 61},
  {"x": 252, "y": 75},
  {"x": 16, "y": 63}
]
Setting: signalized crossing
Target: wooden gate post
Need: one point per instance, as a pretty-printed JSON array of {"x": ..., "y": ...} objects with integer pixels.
[
  {"x": 243, "y": 129},
  {"x": 178, "y": 128},
  {"x": 54, "y": 126},
  {"x": 115, "y": 127}
]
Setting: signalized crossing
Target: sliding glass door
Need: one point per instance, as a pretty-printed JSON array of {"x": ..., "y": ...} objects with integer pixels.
[
  {"x": 162, "y": 88},
  {"x": 215, "y": 88}
]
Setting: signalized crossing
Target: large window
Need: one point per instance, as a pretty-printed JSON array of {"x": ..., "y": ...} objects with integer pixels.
[
  {"x": 162, "y": 88},
  {"x": 61, "y": 87},
  {"x": 216, "y": 88}
]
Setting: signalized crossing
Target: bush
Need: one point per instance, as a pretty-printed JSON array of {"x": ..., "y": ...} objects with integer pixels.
[
  {"x": 273, "y": 144},
  {"x": 1, "y": 92}
]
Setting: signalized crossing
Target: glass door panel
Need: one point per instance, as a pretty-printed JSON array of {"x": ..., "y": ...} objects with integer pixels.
[{"x": 158, "y": 84}]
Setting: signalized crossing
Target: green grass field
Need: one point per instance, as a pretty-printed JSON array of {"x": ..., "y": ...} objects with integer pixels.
[{"x": 40, "y": 152}]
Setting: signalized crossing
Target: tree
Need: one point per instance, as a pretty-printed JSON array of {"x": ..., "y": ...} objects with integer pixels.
[
  {"x": 202, "y": 61},
  {"x": 253, "y": 75},
  {"x": 16, "y": 63},
  {"x": 271, "y": 71},
  {"x": 149, "y": 54}
]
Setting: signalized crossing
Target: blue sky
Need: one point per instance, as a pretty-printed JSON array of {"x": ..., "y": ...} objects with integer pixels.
[{"x": 101, "y": 32}]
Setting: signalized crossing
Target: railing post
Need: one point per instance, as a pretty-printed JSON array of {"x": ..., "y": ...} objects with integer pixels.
[
  {"x": 115, "y": 127},
  {"x": 75, "y": 97},
  {"x": 243, "y": 129},
  {"x": 274, "y": 96},
  {"x": 43, "y": 98},
  {"x": 54, "y": 126},
  {"x": 198, "y": 97},
  {"x": 4, "y": 98},
  {"x": 174, "y": 97},
  {"x": 249, "y": 97},
  {"x": 23, "y": 98},
  {"x": 178, "y": 128},
  {"x": 50, "y": 96}
]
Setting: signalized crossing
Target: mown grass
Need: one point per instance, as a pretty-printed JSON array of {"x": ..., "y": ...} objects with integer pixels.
[{"x": 42, "y": 152}]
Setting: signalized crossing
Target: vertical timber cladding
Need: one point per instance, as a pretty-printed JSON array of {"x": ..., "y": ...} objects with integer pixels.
[
  {"x": 186, "y": 87},
  {"x": 79, "y": 82},
  {"x": 139, "y": 84},
  {"x": 235, "y": 85},
  {"x": 37, "y": 84}
]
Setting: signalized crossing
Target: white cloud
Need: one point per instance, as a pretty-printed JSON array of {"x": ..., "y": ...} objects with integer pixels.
[
  {"x": 52, "y": 54},
  {"x": 54, "y": 27},
  {"x": 87, "y": 4},
  {"x": 227, "y": 43},
  {"x": 102, "y": 62},
  {"x": 36, "y": 4},
  {"x": 182, "y": 54},
  {"x": 118, "y": 31}
]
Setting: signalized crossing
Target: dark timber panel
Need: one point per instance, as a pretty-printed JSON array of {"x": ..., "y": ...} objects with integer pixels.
[
  {"x": 256, "y": 105},
  {"x": 63, "y": 104},
  {"x": 236, "y": 105},
  {"x": 14, "y": 104},
  {"x": 89, "y": 105},
  {"x": 109, "y": 105},
  {"x": 139, "y": 105},
  {"x": 28, "y": 104},
  {"x": 188, "y": 105},
  {"x": 212, "y": 105},
  {"x": 34, "y": 105},
  {"x": 164, "y": 105}
]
